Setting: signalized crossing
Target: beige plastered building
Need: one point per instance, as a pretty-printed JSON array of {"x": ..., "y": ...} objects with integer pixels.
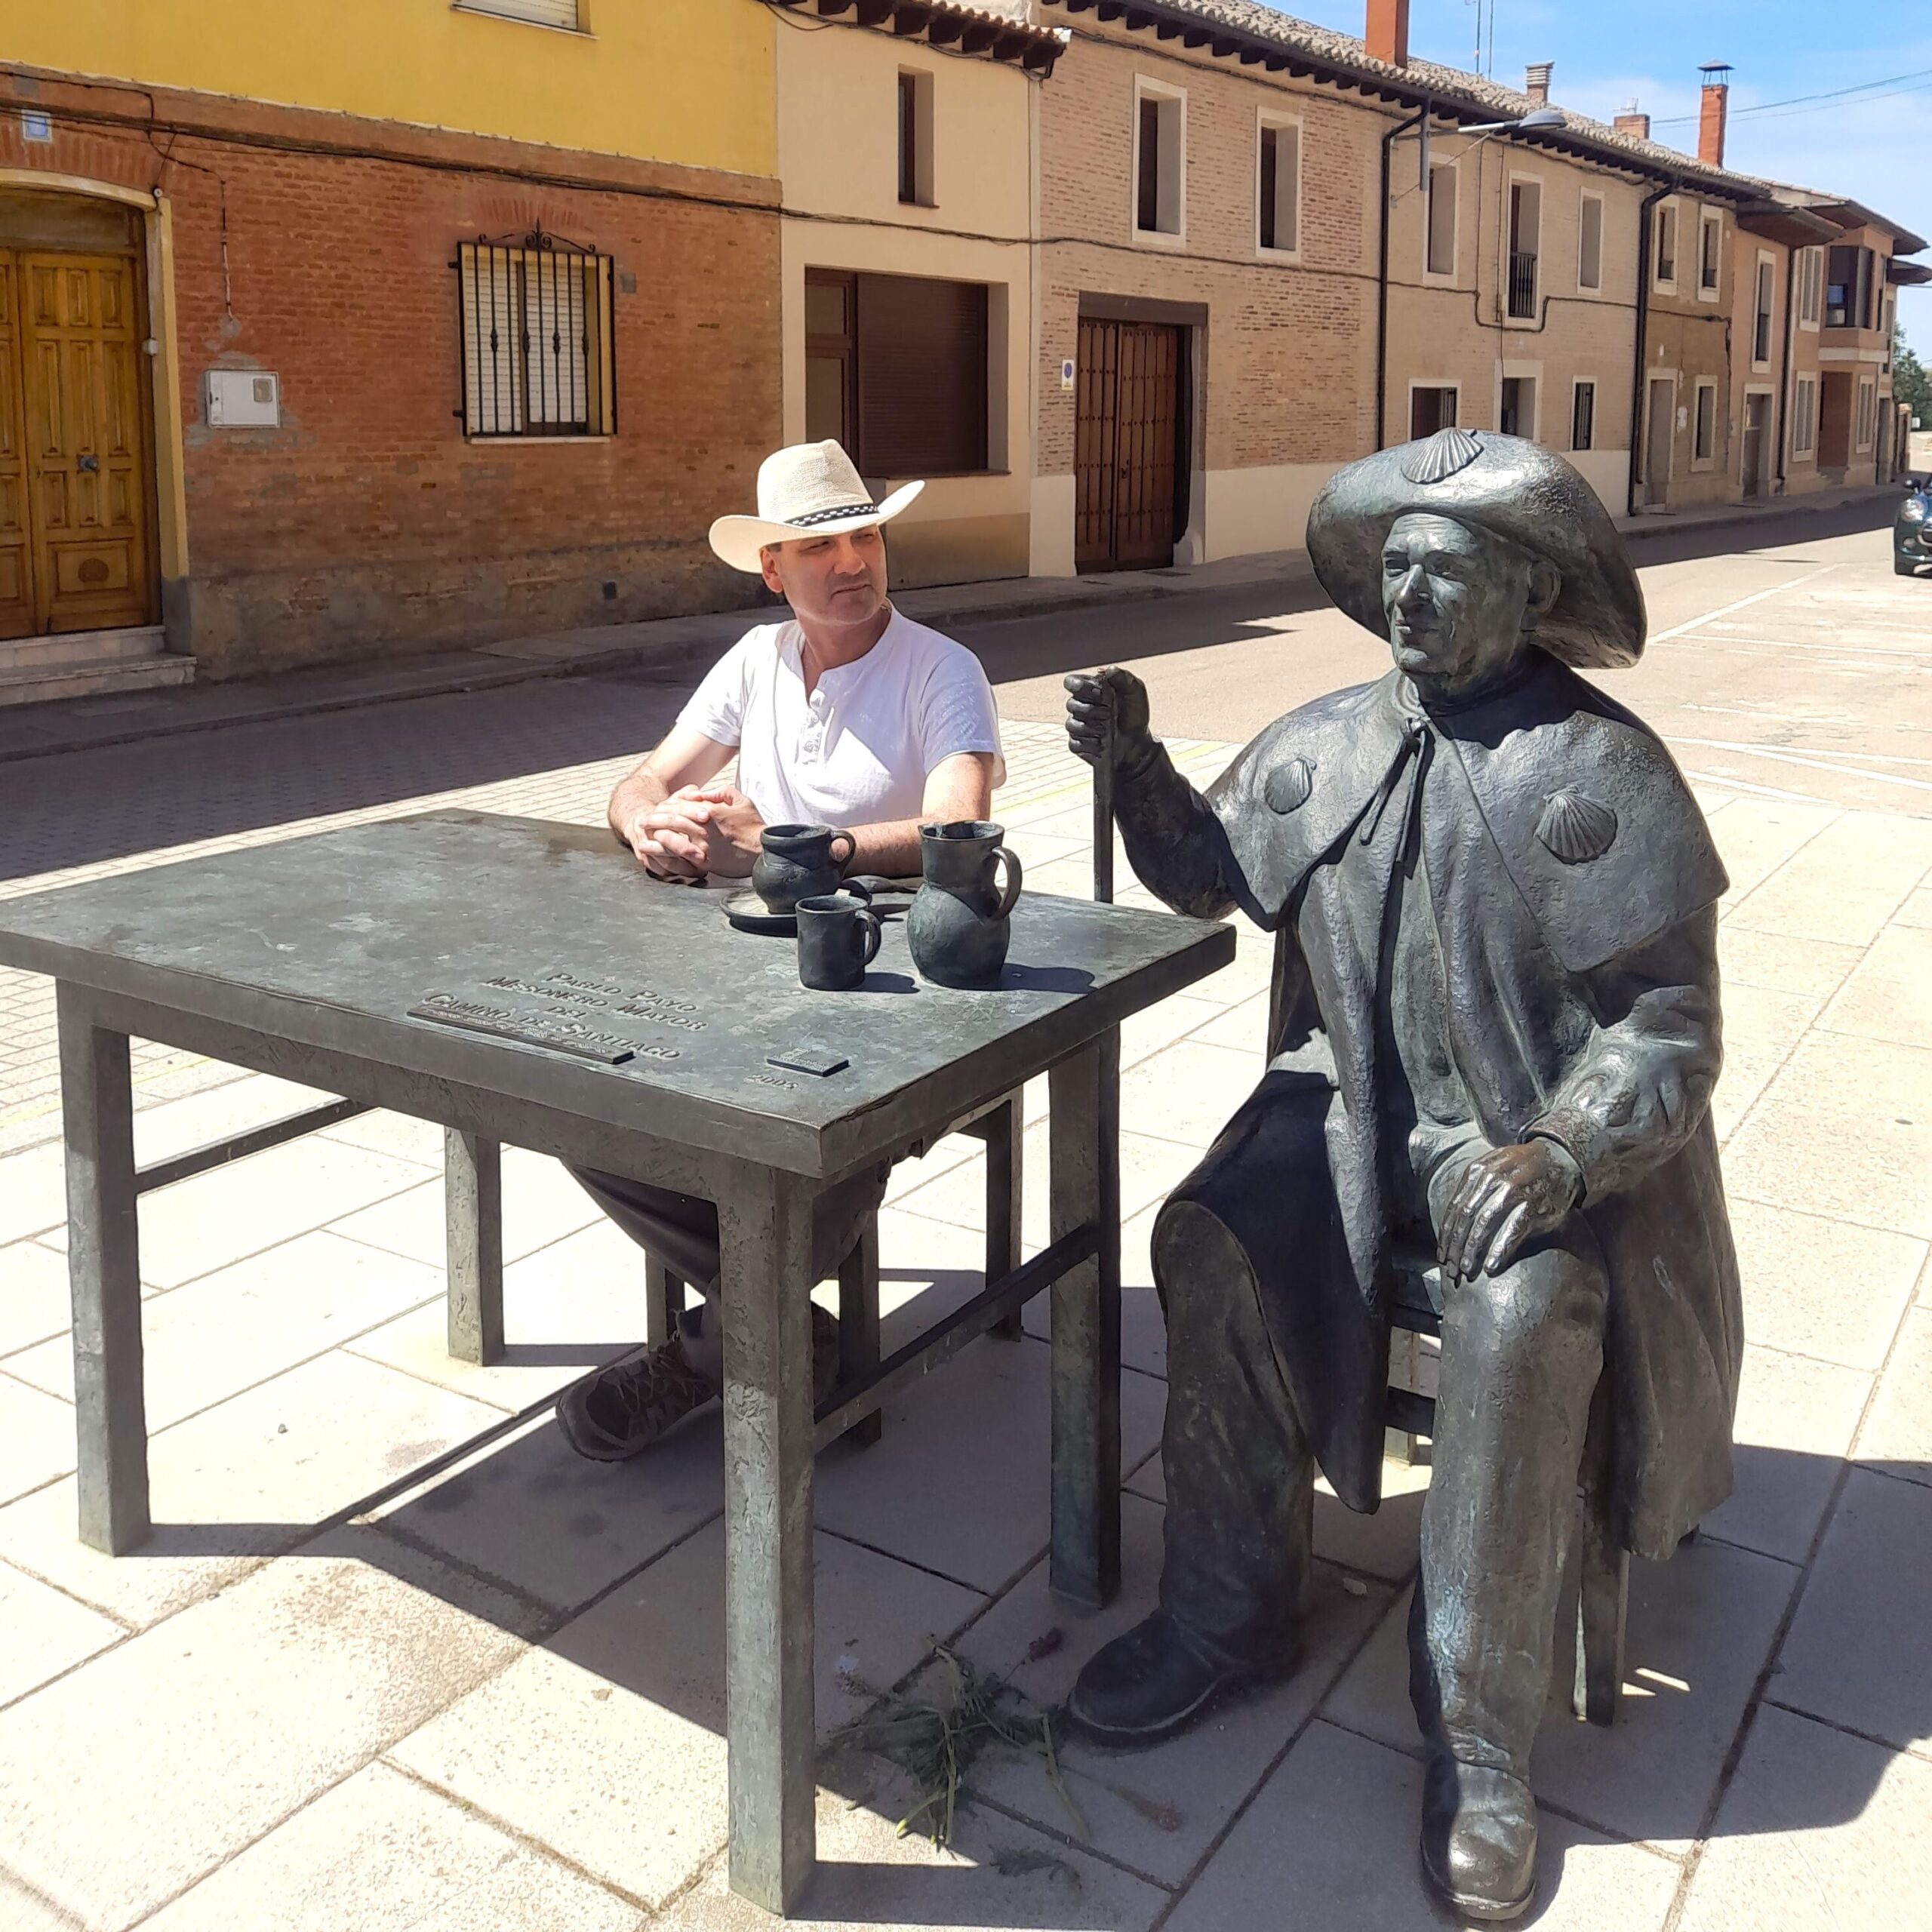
[
  {"x": 906, "y": 161},
  {"x": 1513, "y": 300}
]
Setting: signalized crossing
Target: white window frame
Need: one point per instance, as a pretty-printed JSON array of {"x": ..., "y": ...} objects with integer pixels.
[
  {"x": 1428, "y": 383},
  {"x": 1524, "y": 372},
  {"x": 1803, "y": 420},
  {"x": 529, "y": 13},
  {"x": 1275, "y": 118},
  {"x": 1439, "y": 277},
  {"x": 1591, "y": 383},
  {"x": 1708, "y": 218},
  {"x": 1521, "y": 176},
  {"x": 1590, "y": 287},
  {"x": 1669, "y": 205},
  {"x": 1698, "y": 387},
  {"x": 1766, "y": 260},
  {"x": 1811, "y": 288},
  {"x": 1146, "y": 89}
]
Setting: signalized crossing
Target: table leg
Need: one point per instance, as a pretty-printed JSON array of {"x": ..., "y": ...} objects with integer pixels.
[
  {"x": 473, "y": 1212},
  {"x": 765, "y": 1226},
  {"x": 858, "y": 1325},
  {"x": 1005, "y": 1178},
  {"x": 1083, "y": 1140},
  {"x": 103, "y": 1269}
]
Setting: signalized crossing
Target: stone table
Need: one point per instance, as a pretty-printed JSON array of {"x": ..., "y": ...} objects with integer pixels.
[{"x": 520, "y": 981}]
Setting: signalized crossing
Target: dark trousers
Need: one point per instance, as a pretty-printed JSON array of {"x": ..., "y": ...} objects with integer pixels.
[
  {"x": 681, "y": 1230},
  {"x": 1521, "y": 1354}
]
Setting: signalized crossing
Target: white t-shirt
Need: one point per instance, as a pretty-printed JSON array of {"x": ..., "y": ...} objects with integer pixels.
[{"x": 858, "y": 751}]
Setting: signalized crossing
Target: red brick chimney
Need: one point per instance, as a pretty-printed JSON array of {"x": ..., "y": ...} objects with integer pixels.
[
  {"x": 1387, "y": 33},
  {"x": 1631, "y": 122},
  {"x": 1536, "y": 81},
  {"x": 1711, "y": 112}
]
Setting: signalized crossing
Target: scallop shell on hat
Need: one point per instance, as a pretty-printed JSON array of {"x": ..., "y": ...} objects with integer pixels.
[
  {"x": 1575, "y": 827},
  {"x": 1441, "y": 456}
]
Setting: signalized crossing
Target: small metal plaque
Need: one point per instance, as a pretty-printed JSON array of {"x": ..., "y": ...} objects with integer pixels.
[
  {"x": 562, "y": 1036},
  {"x": 807, "y": 1059}
]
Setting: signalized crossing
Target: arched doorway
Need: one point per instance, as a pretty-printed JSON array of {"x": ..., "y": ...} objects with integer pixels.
[{"x": 77, "y": 475}]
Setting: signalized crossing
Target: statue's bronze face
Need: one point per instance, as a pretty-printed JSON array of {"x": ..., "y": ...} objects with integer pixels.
[{"x": 1460, "y": 601}]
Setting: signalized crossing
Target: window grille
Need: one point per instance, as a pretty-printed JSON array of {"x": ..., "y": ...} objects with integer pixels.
[{"x": 534, "y": 322}]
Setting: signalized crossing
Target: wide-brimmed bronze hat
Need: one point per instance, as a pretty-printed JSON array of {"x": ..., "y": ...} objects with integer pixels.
[{"x": 1517, "y": 489}]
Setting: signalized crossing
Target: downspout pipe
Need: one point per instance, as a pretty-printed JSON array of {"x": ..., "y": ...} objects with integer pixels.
[
  {"x": 1637, "y": 363},
  {"x": 1382, "y": 282},
  {"x": 1785, "y": 378}
]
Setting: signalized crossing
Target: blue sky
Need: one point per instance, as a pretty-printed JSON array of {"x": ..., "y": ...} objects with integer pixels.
[{"x": 1877, "y": 151}]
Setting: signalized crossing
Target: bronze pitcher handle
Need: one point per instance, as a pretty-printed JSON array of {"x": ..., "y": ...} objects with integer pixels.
[{"x": 1010, "y": 891}]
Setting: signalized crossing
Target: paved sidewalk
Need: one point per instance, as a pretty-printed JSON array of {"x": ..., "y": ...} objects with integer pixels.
[
  {"x": 676, "y": 647},
  {"x": 495, "y": 1701}
]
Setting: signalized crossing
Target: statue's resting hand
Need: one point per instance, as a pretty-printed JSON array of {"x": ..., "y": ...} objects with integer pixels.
[
  {"x": 1106, "y": 713},
  {"x": 1504, "y": 1200}
]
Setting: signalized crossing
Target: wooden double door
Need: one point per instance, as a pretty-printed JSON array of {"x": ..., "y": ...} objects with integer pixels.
[
  {"x": 1129, "y": 448},
  {"x": 75, "y": 476}
]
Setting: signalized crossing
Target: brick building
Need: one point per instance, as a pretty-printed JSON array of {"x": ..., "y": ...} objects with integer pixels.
[{"x": 334, "y": 382}]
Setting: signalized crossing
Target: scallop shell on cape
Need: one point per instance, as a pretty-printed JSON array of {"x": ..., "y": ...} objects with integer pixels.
[
  {"x": 1575, "y": 827},
  {"x": 1441, "y": 456},
  {"x": 1288, "y": 785}
]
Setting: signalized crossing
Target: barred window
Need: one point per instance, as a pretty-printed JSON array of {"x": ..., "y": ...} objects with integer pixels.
[{"x": 535, "y": 318}]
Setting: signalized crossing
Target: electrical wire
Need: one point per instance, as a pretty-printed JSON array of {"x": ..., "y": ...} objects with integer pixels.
[{"x": 1815, "y": 104}]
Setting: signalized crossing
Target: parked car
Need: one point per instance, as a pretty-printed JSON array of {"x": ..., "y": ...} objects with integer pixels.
[{"x": 1911, "y": 529}]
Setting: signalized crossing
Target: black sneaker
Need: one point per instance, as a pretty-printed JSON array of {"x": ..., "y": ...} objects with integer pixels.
[{"x": 613, "y": 1413}]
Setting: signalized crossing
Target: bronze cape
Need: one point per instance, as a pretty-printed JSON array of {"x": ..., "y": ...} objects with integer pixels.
[{"x": 1574, "y": 886}]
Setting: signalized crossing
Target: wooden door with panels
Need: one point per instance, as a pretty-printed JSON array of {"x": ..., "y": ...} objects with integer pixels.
[
  {"x": 1128, "y": 444},
  {"x": 75, "y": 490}
]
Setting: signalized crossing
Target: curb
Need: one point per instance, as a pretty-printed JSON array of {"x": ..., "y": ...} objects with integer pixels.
[{"x": 691, "y": 654}]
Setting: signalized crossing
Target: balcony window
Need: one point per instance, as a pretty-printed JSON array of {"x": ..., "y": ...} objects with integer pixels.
[
  {"x": 1525, "y": 222},
  {"x": 1159, "y": 161},
  {"x": 1430, "y": 409},
  {"x": 1667, "y": 249},
  {"x": 1848, "y": 288},
  {"x": 916, "y": 139},
  {"x": 1709, "y": 240},
  {"x": 1519, "y": 414},
  {"x": 1277, "y": 187},
  {"x": 1761, "y": 326},
  {"x": 1440, "y": 258},
  {"x": 1589, "y": 243},
  {"x": 1583, "y": 417},
  {"x": 1704, "y": 432}
]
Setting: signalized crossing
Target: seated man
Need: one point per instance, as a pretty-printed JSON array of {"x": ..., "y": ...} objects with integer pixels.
[
  {"x": 1494, "y": 1037},
  {"x": 848, "y": 715}
]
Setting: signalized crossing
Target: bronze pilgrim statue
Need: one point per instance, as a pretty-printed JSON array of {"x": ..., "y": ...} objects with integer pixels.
[{"x": 1494, "y": 1035}]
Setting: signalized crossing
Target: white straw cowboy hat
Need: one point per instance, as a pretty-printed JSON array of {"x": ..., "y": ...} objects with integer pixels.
[{"x": 810, "y": 490}]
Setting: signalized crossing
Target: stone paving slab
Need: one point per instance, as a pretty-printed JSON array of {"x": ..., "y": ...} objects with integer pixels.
[
  {"x": 1157, "y": 1814},
  {"x": 1819, "y": 1831},
  {"x": 225, "y": 1720},
  {"x": 384, "y": 1853},
  {"x": 1331, "y": 1841},
  {"x": 606, "y": 1741}
]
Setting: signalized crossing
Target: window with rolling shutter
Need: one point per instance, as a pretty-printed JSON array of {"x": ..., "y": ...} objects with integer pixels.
[
  {"x": 534, "y": 327},
  {"x": 538, "y": 12},
  {"x": 896, "y": 371}
]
